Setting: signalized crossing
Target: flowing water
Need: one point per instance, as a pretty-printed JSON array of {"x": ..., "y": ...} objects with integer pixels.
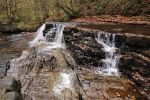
[
  {"x": 109, "y": 65},
  {"x": 53, "y": 38},
  {"x": 45, "y": 41},
  {"x": 49, "y": 40},
  {"x": 12, "y": 45},
  {"x": 67, "y": 80}
]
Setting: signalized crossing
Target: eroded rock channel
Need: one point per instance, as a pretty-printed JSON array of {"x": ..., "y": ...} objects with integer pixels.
[{"x": 66, "y": 62}]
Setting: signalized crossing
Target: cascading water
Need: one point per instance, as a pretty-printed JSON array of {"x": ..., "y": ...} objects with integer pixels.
[
  {"x": 39, "y": 36},
  {"x": 41, "y": 56},
  {"x": 67, "y": 80},
  {"x": 52, "y": 39},
  {"x": 109, "y": 65},
  {"x": 46, "y": 41}
]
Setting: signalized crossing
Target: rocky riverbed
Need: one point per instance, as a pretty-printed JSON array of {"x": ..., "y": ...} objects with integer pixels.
[{"x": 50, "y": 71}]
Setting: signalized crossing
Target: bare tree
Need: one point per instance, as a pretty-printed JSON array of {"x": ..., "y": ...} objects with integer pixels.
[
  {"x": 11, "y": 9},
  {"x": 41, "y": 9}
]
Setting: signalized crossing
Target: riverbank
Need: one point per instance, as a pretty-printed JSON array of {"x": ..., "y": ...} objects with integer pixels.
[
  {"x": 115, "y": 19},
  {"x": 19, "y": 27},
  {"x": 92, "y": 20}
]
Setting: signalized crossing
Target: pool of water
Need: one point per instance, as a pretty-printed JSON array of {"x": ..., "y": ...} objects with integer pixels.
[{"x": 11, "y": 46}]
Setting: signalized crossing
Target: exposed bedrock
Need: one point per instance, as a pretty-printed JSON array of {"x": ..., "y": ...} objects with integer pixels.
[
  {"x": 137, "y": 40},
  {"x": 44, "y": 76},
  {"x": 84, "y": 47},
  {"x": 43, "y": 81},
  {"x": 135, "y": 50},
  {"x": 68, "y": 74}
]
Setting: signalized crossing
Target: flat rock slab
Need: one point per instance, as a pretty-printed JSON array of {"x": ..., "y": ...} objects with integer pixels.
[{"x": 97, "y": 87}]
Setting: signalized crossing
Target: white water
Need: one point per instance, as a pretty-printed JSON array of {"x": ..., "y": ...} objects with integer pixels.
[
  {"x": 54, "y": 37},
  {"x": 66, "y": 80},
  {"x": 39, "y": 36},
  {"x": 109, "y": 65}
]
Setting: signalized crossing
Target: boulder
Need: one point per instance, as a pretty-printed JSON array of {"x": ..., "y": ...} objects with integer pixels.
[
  {"x": 3, "y": 72},
  {"x": 10, "y": 84},
  {"x": 12, "y": 96},
  {"x": 10, "y": 89},
  {"x": 27, "y": 97}
]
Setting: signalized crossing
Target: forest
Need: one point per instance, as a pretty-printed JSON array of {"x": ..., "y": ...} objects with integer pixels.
[{"x": 28, "y": 13}]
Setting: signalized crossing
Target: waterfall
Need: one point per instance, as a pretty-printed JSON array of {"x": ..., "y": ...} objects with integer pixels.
[
  {"x": 53, "y": 38},
  {"x": 49, "y": 36},
  {"x": 109, "y": 65},
  {"x": 39, "y": 36}
]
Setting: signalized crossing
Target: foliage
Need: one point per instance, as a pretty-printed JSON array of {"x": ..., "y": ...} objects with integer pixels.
[{"x": 24, "y": 11}]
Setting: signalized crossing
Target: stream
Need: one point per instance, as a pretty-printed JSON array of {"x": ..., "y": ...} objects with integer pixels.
[
  {"x": 71, "y": 57},
  {"x": 12, "y": 45}
]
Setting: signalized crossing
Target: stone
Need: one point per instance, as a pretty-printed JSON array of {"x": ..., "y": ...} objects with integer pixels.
[
  {"x": 27, "y": 97},
  {"x": 3, "y": 72},
  {"x": 50, "y": 37},
  {"x": 12, "y": 96},
  {"x": 137, "y": 40},
  {"x": 2, "y": 92},
  {"x": 83, "y": 46},
  {"x": 47, "y": 28},
  {"x": 146, "y": 52},
  {"x": 70, "y": 73},
  {"x": 106, "y": 88},
  {"x": 10, "y": 84},
  {"x": 36, "y": 75}
]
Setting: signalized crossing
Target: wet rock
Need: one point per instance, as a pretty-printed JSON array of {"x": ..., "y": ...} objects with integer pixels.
[
  {"x": 83, "y": 46},
  {"x": 33, "y": 70},
  {"x": 41, "y": 74},
  {"x": 50, "y": 37},
  {"x": 3, "y": 72},
  {"x": 10, "y": 89},
  {"x": 2, "y": 92},
  {"x": 102, "y": 88},
  {"x": 70, "y": 74},
  {"x": 132, "y": 64},
  {"x": 47, "y": 28},
  {"x": 12, "y": 96},
  {"x": 10, "y": 84},
  {"x": 27, "y": 97},
  {"x": 136, "y": 67},
  {"x": 146, "y": 52},
  {"x": 138, "y": 40},
  {"x": 120, "y": 40}
]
